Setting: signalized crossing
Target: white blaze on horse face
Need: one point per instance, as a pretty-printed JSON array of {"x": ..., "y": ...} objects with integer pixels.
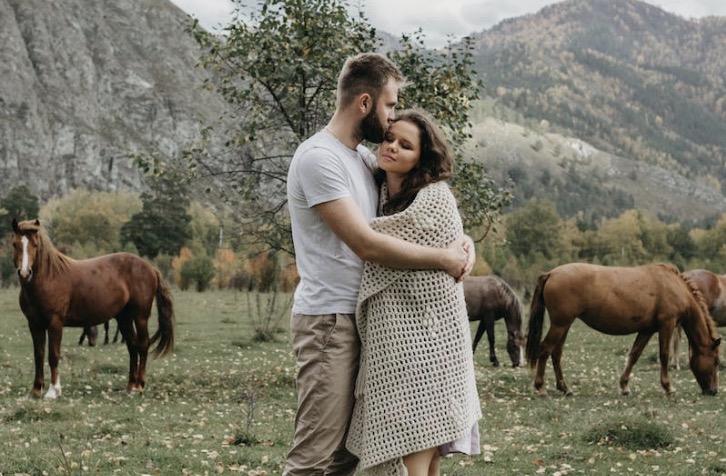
[{"x": 24, "y": 271}]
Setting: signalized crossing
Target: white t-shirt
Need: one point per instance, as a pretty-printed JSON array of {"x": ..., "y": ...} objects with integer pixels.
[{"x": 323, "y": 169}]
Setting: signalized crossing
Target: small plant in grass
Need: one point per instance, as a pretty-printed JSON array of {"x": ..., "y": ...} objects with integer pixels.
[
  {"x": 251, "y": 392},
  {"x": 633, "y": 435},
  {"x": 266, "y": 312}
]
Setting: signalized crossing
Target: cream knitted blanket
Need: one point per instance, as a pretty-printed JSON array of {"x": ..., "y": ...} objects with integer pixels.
[{"x": 416, "y": 387}]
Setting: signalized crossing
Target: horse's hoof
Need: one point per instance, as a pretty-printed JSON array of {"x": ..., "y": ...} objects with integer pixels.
[
  {"x": 625, "y": 393},
  {"x": 495, "y": 364},
  {"x": 569, "y": 393}
]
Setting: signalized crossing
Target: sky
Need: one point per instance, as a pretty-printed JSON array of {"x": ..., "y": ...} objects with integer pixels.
[{"x": 442, "y": 19}]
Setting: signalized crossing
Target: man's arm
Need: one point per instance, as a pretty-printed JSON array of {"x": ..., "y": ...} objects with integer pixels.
[{"x": 345, "y": 219}]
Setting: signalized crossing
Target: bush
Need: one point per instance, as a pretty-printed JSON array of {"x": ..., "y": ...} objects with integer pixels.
[
  {"x": 633, "y": 435},
  {"x": 198, "y": 270}
]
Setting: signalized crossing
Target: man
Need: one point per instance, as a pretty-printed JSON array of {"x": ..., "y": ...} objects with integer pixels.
[{"x": 332, "y": 196}]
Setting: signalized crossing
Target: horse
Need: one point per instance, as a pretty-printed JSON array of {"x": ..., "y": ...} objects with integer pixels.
[
  {"x": 58, "y": 291},
  {"x": 713, "y": 289},
  {"x": 91, "y": 332},
  {"x": 488, "y": 299},
  {"x": 621, "y": 301}
]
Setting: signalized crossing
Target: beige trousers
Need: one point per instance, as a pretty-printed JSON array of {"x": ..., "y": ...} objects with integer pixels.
[{"x": 326, "y": 350}]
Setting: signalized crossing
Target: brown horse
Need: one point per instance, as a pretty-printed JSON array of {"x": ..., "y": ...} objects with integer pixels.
[
  {"x": 489, "y": 298},
  {"x": 713, "y": 289},
  {"x": 58, "y": 291},
  {"x": 620, "y": 301}
]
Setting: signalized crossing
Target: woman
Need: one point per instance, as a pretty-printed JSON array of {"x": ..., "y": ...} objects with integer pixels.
[{"x": 416, "y": 394}]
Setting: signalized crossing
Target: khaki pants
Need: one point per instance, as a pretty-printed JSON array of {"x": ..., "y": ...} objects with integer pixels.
[{"x": 326, "y": 351}]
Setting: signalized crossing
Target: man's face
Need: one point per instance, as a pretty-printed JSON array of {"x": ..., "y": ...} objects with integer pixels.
[{"x": 376, "y": 122}]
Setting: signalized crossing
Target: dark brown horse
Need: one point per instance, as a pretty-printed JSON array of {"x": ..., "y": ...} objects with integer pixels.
[
  {"x": 58, "y": 291},
  {"x": 640, "y": 300},
  {"x": 488, "y": 299},
  {"x": 91, "y": 332}
]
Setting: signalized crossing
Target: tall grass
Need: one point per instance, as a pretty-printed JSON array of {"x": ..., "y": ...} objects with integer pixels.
[{"x": 224, "y": 403}]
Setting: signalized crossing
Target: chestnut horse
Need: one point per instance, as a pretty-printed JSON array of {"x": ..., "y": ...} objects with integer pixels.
[
  {"x": 488, "y": 299},
  {"x": 58, "y": 291},
  {"x": 620, "y": 301},
  {"x": 713, "y": 289}
]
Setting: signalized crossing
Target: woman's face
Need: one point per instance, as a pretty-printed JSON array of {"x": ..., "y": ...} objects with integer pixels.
[{"x": 400, "y": 150}]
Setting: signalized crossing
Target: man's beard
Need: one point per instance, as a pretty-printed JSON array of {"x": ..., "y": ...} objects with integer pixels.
[{"x": 371, "y": 127}]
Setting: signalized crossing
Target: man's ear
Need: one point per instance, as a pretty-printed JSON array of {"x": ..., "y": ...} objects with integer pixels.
[{"x": 365, "y": 101}]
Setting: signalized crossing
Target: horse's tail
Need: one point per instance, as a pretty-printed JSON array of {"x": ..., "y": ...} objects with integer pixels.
[
  {"x": 165, "y": 311},
  {"x": 536, "y": 317}
]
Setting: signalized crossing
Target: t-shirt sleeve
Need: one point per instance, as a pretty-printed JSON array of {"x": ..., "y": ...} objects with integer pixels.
[{"x": 323, "y": 176}]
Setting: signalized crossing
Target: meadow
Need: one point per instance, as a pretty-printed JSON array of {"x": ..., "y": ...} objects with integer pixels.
[{"x": 224, "y": 403}]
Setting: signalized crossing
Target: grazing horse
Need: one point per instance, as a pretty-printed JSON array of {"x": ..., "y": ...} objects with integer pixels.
[
  {"x": 58, "y": 291},
  {"x": 713, "y": 289},
  {"x": 489, "y": 298},
  {"x": 620, "y": 301},
  {"x": 92, "y": 333}
]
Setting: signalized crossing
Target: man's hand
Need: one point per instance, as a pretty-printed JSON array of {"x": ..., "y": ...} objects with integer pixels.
[
  {"x": 460, "y": 257},
  {"x": 471, "y": 250}
]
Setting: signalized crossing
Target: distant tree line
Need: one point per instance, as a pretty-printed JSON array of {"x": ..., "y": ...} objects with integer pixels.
[
  {"x": 213, "y": 252},
  {"x": 195, "y": 247}
]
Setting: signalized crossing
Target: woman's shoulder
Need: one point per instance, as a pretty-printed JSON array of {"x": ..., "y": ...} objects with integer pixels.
[{"x": 437, "y": 189}]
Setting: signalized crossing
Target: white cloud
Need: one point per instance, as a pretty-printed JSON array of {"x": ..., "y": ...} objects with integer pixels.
[{"x": 439, "y": 18}]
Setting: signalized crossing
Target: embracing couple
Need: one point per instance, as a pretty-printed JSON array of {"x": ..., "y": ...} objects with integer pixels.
[{"x": 385, "y": 373}]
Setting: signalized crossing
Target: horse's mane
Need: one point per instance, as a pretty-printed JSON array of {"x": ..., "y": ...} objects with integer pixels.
[
  {"x": 49, "y": 257},
  {"x": 509, "y": 298},
  {"x": 698, "y": 296}
]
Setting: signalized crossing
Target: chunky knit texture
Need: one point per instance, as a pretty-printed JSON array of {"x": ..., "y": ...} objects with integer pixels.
[{"x": 416, "y": 386}]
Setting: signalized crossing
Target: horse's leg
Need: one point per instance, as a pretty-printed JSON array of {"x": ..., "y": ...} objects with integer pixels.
[
  {"x": 127, "y": 331},
  {"x": 105, "y": 330},
  {"x": 479, "y": 333},
  {"x": 38, "y": 335},
  {"x": 83, "y": 336},
  {"x": 641, "y": 340},
  {"x": 557, "y": 364},
  {"x": 55, "y": 334},
  {"x": 142, "y": 331},
  {"x": 665, "y": 340},
  {"x": 676, "y": 357},
  {"x": 545, "y": 350},
  {"x": 490, "y": 337}
]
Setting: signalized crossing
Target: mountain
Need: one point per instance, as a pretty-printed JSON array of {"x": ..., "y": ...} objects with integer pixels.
[
  {"x": 88, "y": 85},
  {"x": 599, "y": 105},
  {"x": 625, "y": 77}
]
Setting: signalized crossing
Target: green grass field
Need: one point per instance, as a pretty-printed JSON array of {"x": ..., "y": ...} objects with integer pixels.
[{"x": 224, "y": 404}]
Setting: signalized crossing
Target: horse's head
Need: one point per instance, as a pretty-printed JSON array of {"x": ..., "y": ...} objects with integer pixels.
[
  {"x": 704, "y": 362},
  {"x": 25, "y": 247},
  {"x": 515, "y": 343}
]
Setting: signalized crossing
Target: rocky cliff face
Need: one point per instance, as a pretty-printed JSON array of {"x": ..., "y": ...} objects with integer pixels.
[{"x": 86, "y": 85}]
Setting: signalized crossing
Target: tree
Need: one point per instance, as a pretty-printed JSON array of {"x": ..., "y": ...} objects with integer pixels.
[
  {"x": 19, "y": 203},
  {"x": 535, "y": 229},
  {"x": 162, "y": 225},
  {"x": 88, "y": 218},
  {"x": 279, "y": 69}
]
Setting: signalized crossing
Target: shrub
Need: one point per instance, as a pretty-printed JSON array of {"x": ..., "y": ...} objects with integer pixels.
[{"x": 198, "y": 270}]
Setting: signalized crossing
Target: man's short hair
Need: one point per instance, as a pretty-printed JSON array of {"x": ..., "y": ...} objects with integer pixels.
[{"x": 365, "y": 73}]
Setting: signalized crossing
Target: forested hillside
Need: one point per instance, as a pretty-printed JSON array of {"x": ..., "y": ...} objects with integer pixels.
[{"x": 624, "y": 76}]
